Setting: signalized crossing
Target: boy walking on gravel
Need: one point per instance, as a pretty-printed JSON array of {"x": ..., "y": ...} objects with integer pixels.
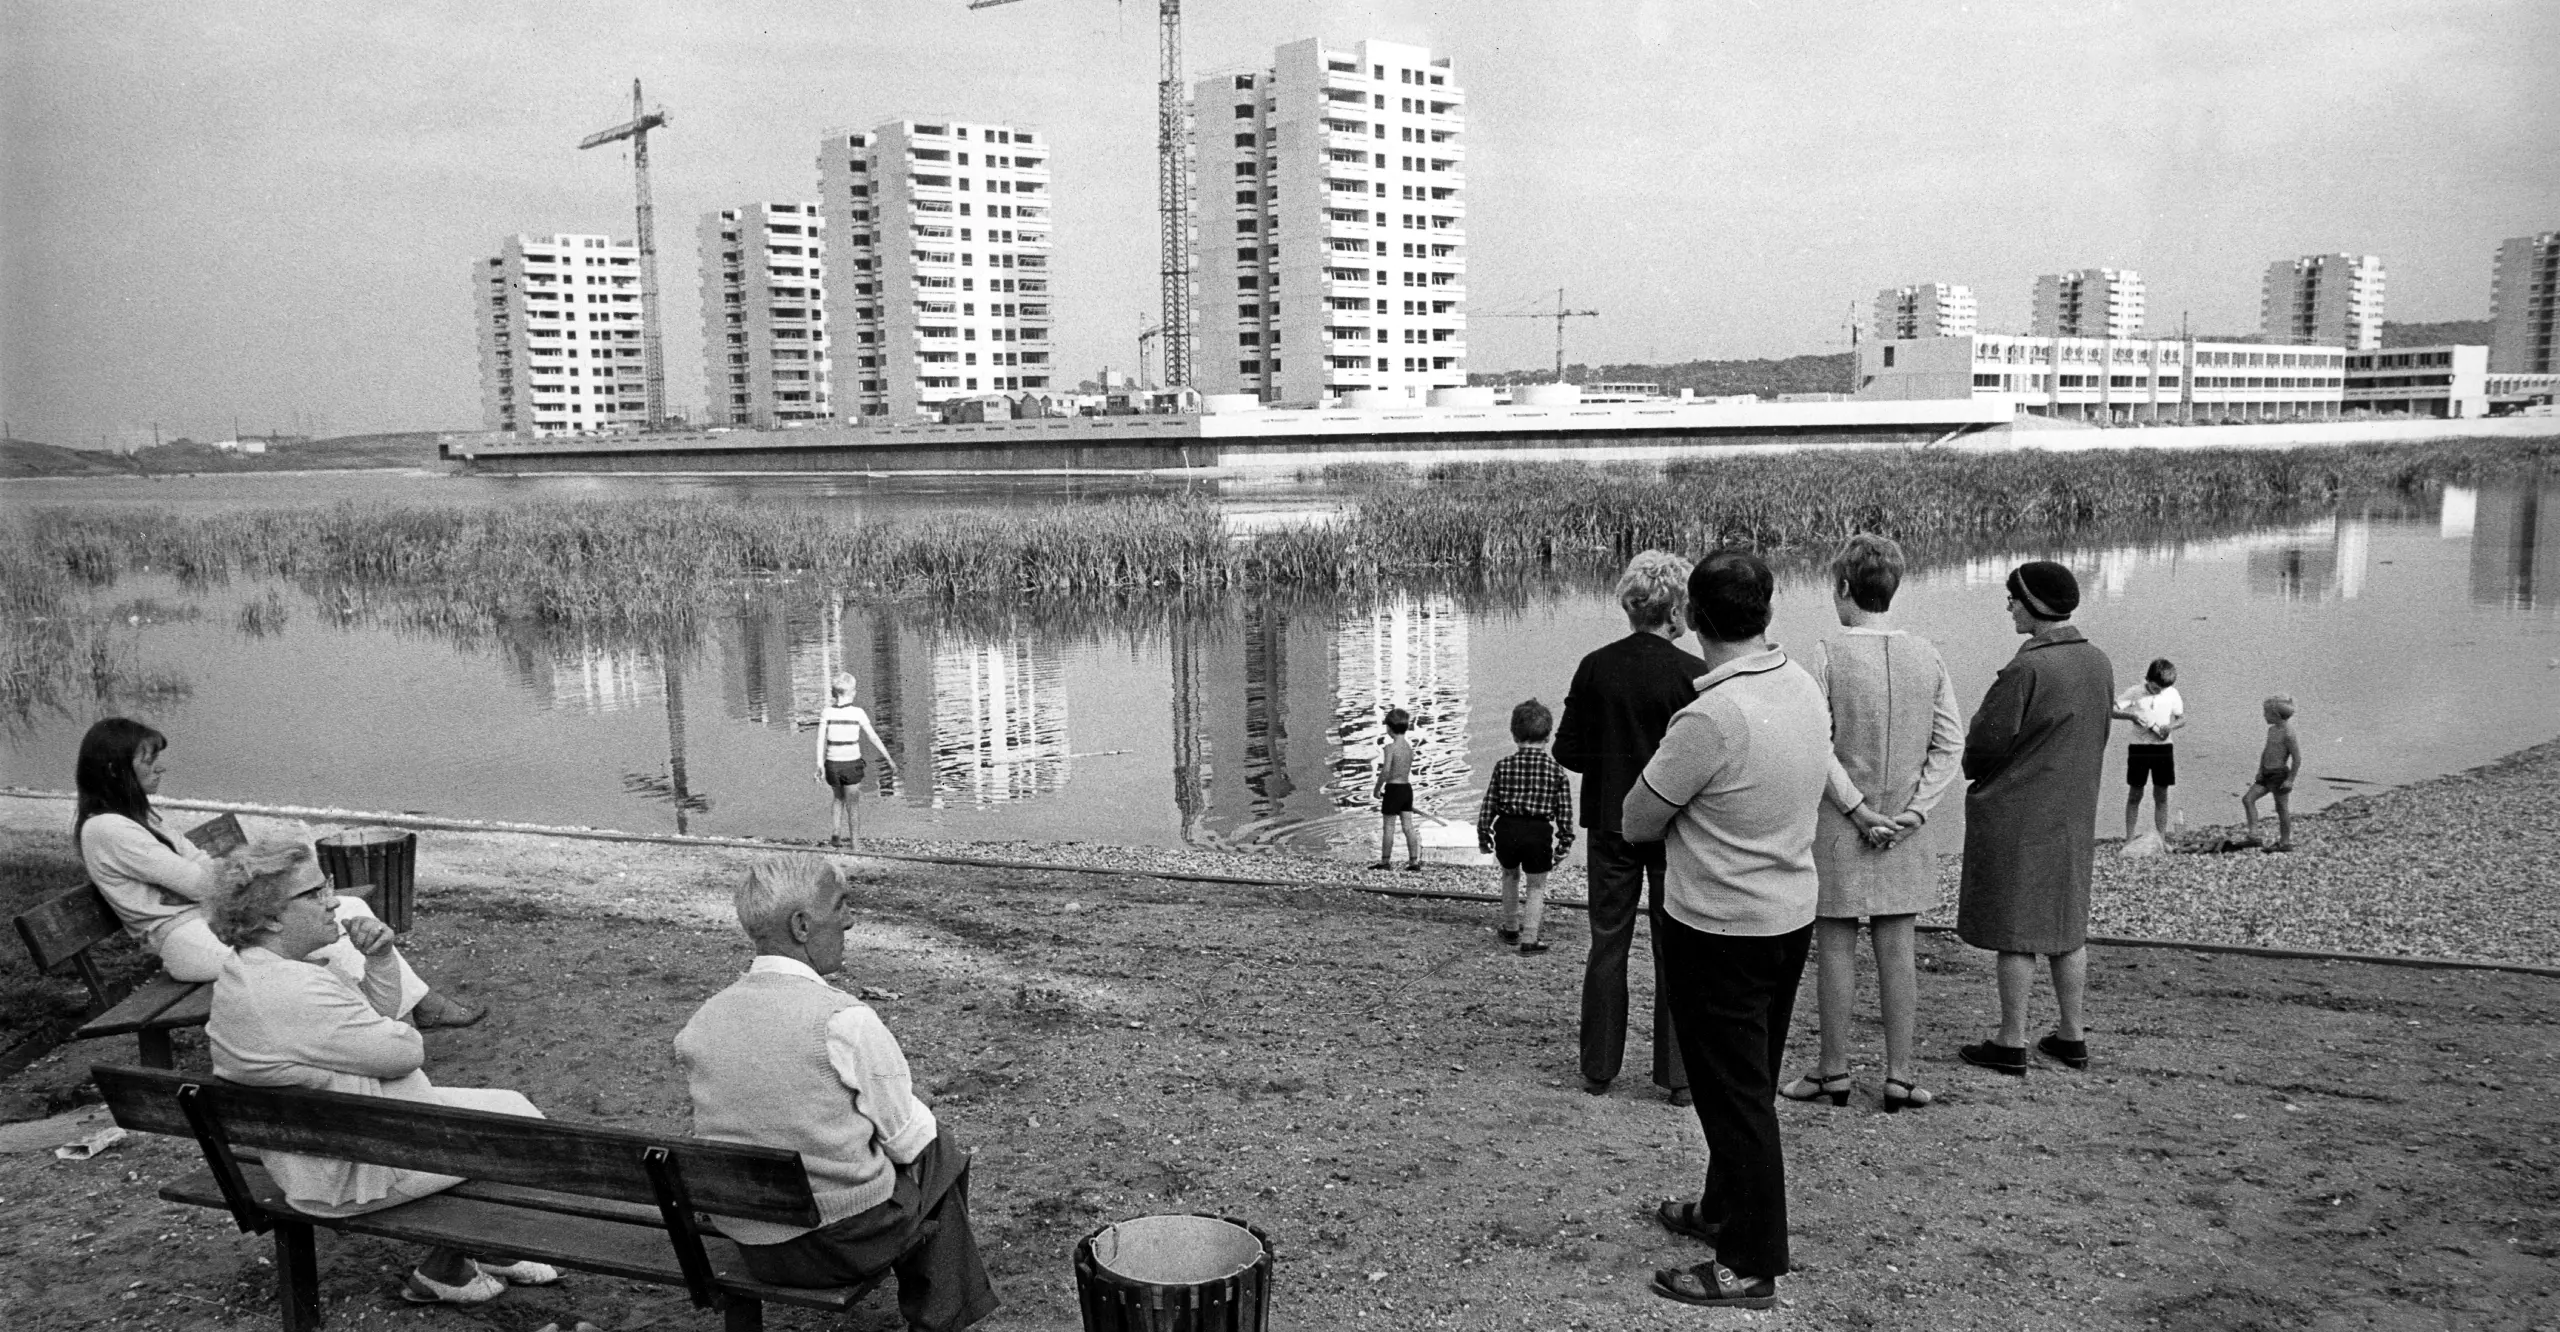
[
  {"x": 2278, "y": 763},
  {"x": 1526, "y": 821}
]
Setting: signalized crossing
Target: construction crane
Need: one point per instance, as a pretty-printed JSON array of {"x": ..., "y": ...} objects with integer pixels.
[
  {"x": 1173, "y": 191},
  {"x": 653, "y": 365},
  {"x": 1558, "y": 314}
]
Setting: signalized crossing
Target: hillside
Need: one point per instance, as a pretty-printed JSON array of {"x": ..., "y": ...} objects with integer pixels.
[
  {"x": 416, "y": 448},
  {"x": 2473, "y": 332},
  {"x": 1795, "y": 374}
]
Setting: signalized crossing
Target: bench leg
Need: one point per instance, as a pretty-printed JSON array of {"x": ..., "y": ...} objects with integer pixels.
[
  {"x": 743, "y": 1316},
  {"x": 157, "y": 1052},
  {"x": 297, "y": 1276}
]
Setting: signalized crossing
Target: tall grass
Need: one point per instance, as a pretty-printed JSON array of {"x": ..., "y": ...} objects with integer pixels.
[{"x": 651, "y": 570}]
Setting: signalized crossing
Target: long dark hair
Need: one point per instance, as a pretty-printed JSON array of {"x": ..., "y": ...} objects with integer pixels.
[{"x": 105, "y": 777}]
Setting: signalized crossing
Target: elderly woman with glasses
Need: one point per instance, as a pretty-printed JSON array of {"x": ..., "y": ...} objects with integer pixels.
[{"x": 284, "y": 1017}]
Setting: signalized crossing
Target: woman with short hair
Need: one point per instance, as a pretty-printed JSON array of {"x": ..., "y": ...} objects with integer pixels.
[
  {"x": 157, "y": 880},
  {"x": 1896, "y": 740},
  {"x": 282, "y": 1017}
]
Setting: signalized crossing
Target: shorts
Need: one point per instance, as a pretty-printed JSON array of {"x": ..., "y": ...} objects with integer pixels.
[
  {"x": 2274, "y": 781},
  {"x": 2157, "y": 762},
  {"x": 1524, "y": 842},
  {"x": 843, "y": 773},
  {"x": 1398, "y": 799}
]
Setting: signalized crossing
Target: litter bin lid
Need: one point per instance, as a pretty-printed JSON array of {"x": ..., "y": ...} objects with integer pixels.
[
  {"x": 363, "y": 837},
  {"x": 1176, "y": 1250}
]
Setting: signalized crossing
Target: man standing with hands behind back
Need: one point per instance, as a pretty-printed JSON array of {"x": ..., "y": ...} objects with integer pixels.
[{"x": 1621, "y": 701}]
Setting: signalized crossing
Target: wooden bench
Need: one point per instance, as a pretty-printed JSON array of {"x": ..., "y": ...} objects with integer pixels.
[
  {"x": 61, "y": 930},
  {"x": 594, "y": 1199}
]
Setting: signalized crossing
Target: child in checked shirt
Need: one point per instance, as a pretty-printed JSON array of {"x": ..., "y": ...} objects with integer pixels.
[{"x": 1526, "y": 821}]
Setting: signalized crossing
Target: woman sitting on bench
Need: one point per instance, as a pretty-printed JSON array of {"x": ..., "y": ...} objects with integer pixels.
[
  {"x": 157, "y": 880},
  {"x": 282, "y": 1017}
]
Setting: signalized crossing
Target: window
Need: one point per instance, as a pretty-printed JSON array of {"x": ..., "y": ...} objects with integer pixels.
[
  {"x": 1248, "y": 367},
  {"x": 1888, "y": 358},
  {"x": 1249, "y": 311},
  {"x": 1244, "y": 140},
  {"x": 1244, "y": 111},
  {"x": 1247, "y": 169}
]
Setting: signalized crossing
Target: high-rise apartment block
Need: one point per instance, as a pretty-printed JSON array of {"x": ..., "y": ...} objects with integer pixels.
[
  {"x": 559, "y": 326},
  {"x": 2089, "y": 303},
  {"x": 2524, "y": 297},
  {"x": 1330, "y": 249},
  {"x": 942, "y": 286},
  {"x": 1934, "y": 310},
  {"x": 2331, "y": 300},
  {"x": 764, "y": 336}
]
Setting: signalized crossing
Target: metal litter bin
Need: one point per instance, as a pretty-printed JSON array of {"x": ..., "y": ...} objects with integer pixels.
[
  {"x": 1174, "y": 1274},
  {"x": 381, "y": 862}
]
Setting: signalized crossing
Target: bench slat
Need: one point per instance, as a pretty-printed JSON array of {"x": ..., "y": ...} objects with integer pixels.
[
  {"x": 65, "y": 925},
  {"x": 153, "y": 1003},
  {"x": 759, "y": 1183},
  {"x": 468, "y": 1218}
]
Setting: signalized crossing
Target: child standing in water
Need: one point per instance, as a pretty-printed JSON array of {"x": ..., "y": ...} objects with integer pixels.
[
  {"x": 2278, "y": 763},
  {"x": 1395, "y": 794},
  {"x": 842, "y": 727}
]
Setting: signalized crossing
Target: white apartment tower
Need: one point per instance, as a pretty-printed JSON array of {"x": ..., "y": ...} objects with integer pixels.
[
  {"x": 1933, "y": 310},
  {"x": 2089, "y": 303},
  {"x": 559, "y": 325},
  {"x": 2331, "y": 300},
  {"x": 942, "y": 286},
  {"x": 1330, "y": 248},
  {"x": 764, "y": 336},
  {"x": 2524, "y": 304}
]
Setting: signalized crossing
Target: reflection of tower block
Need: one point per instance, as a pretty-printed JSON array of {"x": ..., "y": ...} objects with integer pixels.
[
  {"x": 1402, "y": 651},
  {"x": 999, "y": 723},
  {"x": 2293, "y": 572},
  {"x": 602, "y": 679}
]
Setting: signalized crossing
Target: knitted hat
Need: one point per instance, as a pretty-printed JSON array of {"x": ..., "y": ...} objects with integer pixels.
[{"x": 2046, "y": 589}]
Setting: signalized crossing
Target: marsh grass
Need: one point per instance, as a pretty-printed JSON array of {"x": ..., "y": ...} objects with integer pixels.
[{"x": 648, "y": 572}]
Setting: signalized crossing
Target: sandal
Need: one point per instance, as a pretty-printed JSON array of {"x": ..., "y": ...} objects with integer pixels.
[
  {"x": 1814, "y": 1086},
  {"x": 1680, "y": 1217},
  {"x": 1908, "y": 1098},
  {"x": 1715, "y": 1284}
]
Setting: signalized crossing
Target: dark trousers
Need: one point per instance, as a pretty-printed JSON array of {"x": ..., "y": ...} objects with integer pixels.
[
  {"x": 1733, "y": 996},
  {"x": 1624, "y": 876},
  {"x": 941, "y": 1286}
]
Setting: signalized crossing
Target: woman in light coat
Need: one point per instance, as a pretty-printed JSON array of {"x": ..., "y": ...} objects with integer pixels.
[{"x": 1896, "y": 740}]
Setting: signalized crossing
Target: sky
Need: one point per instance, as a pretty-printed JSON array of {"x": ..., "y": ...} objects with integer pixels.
[{"x": 268, "y": 211}]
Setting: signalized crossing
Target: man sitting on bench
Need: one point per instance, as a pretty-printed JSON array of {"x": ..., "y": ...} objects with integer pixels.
[{"x": 783, "y": 1059}]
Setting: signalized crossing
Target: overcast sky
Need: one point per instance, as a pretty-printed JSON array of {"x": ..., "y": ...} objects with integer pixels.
[{"x": 271, "y": 209}]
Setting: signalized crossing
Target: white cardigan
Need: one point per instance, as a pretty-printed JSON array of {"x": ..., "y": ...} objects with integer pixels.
[{"x": 151, "y": 886}]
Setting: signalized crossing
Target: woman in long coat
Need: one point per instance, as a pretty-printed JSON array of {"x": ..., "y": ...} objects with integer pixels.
[
  {"x": 2035, "y": 755},
  {"x": 1895, "y": 739}
]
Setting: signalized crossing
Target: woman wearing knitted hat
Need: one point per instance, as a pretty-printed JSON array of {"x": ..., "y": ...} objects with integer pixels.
[{"x": 2035, "y": 755}]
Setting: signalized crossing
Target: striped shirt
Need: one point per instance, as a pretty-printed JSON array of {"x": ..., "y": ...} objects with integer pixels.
[
  {"x": 1528, "y": 784},
  {"x": 842, "y": 725}
]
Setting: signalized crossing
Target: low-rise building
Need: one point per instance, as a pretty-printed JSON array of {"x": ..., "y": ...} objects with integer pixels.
[
  {"x": 764, "y": 335},
  {"x": 2119, "y": 380},
  {"x": 559, "y": 332},
  {"x": 942, "y": 256},
  {"x": 1929, "y": 310},
  {"x": 2447, "y": 381}
]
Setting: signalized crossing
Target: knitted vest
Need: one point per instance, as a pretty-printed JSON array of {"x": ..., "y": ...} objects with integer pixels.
[{"x": 755, "y": 1059}]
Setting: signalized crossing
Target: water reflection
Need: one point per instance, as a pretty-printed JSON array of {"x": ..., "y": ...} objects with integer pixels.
[{"x": 2515, "y": 558}]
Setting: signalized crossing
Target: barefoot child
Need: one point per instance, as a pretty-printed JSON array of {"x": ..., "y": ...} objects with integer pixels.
[
  {"x": 2277, "y": 765},
  {"x": 2155, "y": 710},
  {"x": 1526, "y": 821},
  {"x": 842, "y": 727},
  {"x": 1395, "y": 794}
]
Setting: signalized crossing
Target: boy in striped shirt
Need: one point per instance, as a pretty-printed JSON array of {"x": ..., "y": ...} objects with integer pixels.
[{"x": 1526, "y": 821}]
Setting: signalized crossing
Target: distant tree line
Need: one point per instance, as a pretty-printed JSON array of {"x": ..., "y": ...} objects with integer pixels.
[{"x": 1767, "y": 378}]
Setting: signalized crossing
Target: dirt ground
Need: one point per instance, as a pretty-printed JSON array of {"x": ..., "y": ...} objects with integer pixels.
[{"x": 1392, "y": 1097}]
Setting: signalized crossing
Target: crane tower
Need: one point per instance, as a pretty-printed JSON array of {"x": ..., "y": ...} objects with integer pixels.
[{"x": 653, "y": 364}]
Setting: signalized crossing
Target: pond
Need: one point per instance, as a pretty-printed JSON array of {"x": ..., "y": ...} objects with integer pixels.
[{"x": 2419, "y": 638}]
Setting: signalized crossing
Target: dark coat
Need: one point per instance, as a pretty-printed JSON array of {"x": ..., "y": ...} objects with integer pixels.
[
  {"x": 2036, "y": 755},
  {"x": 1620, "y": 703}
]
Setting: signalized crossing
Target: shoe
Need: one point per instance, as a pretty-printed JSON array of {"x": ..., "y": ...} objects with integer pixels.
[
  {"x": 423, "y": 1289},
  {"x": 2281, "y": 846},
  {"x": 1595, "y": 1086},
  {"x": 1715, "y": 1284},
  {"x": 1384, "y": 864},
  {"x": 1900, "y": 1096},
  {"x": 1532, "y": 948},
  {"x": 521, "y": 1274},
  {"x": 1413, "y": 865},
  {"x": 1680, "y": 1217},
  {"x": 1811, "y": 1087},
  {"x": 1507, "y": 936},
  {"x": 1679, "y": 1096},
  {"x": 437, "y": 1011},
  {"x": 2074, "y": 1053},
  {"x": 2009, "y": 1059}
]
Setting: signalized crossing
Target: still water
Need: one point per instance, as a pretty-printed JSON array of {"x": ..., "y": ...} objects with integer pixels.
[{"x": 2419, "y": 638}]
